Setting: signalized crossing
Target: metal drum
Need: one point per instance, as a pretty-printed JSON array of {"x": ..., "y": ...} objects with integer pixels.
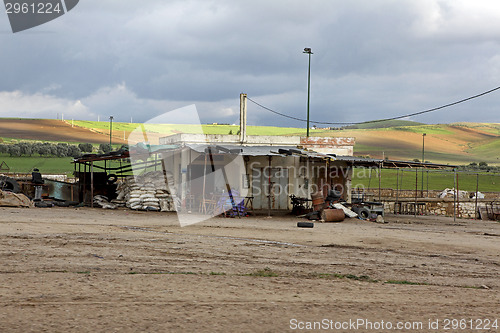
[
  {"x": 333, "y": 215},
  {"x": 318, "y": 201}
]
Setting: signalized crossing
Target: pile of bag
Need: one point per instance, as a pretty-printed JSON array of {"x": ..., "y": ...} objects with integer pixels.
[{"x": 148, "y": 192}]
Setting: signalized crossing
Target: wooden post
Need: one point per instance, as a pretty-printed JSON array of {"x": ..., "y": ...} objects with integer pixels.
[
  {"x": 454, "y": 194},
  {"x": 269, "y": 188},
  {"x": 477, "y": 190},
  {"x": 379, "y": 182},
  {"x": 204, "y": 182},
  {"x": 397, "y": 191},
  {"x": 427, "y": 193},
  {"x": 458, "y": 199},
  {"x": 416, "y": 192},
  {"x": 92, "y": 184}
]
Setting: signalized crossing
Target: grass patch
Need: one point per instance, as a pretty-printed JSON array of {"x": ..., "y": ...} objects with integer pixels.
[
  {"x": 364, "y": 278},
  {"x": 83, "y": 272},
  {"x": 169, "y": 129},
  {"x": 266, "y": 272},
  {"x": 217, "y": 273},
  {"x": 406, "y": 282},
  {"x": 25, "y": 164},
  {"x": 432, "y": 180},
  {"x": 162, "y": 273}
]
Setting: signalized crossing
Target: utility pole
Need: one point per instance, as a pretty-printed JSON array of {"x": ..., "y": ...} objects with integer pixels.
[
  {"x": 110, "y": 131},
  {"x": 243, "y": 118},
  {"x": 309, "y": 52}
]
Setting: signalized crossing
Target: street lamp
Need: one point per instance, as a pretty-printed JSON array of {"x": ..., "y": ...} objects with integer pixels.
[
  {"x": 110, "y": 130},
  {"x": 309, "y": 52},
  {"x": 423, "y": 160}
]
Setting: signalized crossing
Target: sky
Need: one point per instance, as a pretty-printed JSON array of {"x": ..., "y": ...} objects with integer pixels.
[{"x": 372, "y": 59}]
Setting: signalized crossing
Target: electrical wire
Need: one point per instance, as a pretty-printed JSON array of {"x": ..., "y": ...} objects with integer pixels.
[{"x": 377, "y": 120}]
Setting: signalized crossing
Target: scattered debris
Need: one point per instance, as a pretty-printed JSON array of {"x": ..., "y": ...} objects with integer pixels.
[
  {"x": 450, "y": 193},
  {"x": 9, "y": 184},
  {"x": 332, "y": 215},
  {"x": 347, "y": 211},
  {"x": 103, "y": 202},
  {"x": 305, "y": 224},
  {"x": 9, "y": 199}
]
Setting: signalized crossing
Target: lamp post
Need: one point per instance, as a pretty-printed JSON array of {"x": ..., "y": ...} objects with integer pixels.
[
  {"x": 110, "y": 130},
  {"x": 423, "y": 160},
  {"x": 309, "y": 52}
]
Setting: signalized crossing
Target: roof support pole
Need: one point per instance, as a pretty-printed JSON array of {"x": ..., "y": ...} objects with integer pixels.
[
  {"x": 92, "y": 184},
  {"x": 416, "y": 192},
  {"x": 397, "y": 192},
  {"x": 269, "y": 188},
  {"x": 458, "y": 198},
  {"x": 380, "y": 182},
  {"x": 454, "y": 194}
]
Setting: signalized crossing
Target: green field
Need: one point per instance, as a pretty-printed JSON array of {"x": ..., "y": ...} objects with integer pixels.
[
  {"x": 25, "y": 164},
  {"x": 384, "y": 124},
  {"x": 433, "y": 180},
  {"x": 169, "y": 129}
]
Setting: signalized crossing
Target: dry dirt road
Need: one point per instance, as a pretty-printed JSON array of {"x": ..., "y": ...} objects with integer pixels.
[{"x": 90, "y": 270}]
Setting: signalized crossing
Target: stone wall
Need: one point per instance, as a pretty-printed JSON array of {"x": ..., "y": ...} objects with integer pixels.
[
  {"x": 389, "y": 193},
  {"x": 464, "y": 207}
]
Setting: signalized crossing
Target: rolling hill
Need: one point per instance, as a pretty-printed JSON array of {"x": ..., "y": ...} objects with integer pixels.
[
  {"x": 49, "y": 130},
  {"x": 457, "y": 143}
]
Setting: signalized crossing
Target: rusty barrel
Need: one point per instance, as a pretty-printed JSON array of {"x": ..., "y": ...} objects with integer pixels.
[
  {"x": 333, "y": 215},
  {"x": 317, "y": 200}
]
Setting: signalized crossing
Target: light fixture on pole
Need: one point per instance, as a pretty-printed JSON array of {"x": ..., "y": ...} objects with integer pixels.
[
  {"x": 309, "y": 52},
  {"x": 110, "y": 131}
]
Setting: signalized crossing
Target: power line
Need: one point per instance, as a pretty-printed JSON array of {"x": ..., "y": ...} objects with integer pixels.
[{"x": 377, "y": 120}]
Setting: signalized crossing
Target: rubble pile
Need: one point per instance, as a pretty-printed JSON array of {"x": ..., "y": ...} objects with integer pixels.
[{"x": 147, "y": 192}]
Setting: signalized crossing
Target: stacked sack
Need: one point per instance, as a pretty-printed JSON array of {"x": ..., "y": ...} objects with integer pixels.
[{"x": 148, "y": 192}]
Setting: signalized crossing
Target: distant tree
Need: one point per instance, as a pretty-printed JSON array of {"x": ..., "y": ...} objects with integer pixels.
[
  {"x": 53, "y": 149},
  {"x": 105, "y": 147},
  {"x": 483, "y": 164},
  {"x": 14, "y": 150},
  {"x": 4, "y": 149},
  {"x": 62, "y": 149},
  {"x": 26, "y": 148},
  {"x": 74, "y": 151},
  {"x": 86, "y": 147},
  {"x": 44, "y": 150},
  {"x": 416, "y": 160}
]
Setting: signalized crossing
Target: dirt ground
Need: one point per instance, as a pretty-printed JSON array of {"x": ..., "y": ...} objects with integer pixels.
[{"x": 91, "y": 270}]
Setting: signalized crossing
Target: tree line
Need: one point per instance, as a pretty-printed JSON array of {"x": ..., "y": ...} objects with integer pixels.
[{"x": 49, "y": 149}]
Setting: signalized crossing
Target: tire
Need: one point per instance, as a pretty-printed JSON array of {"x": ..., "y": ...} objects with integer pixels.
[
  {"x": 112, "y": 178},
  {"x": 9, "y": 184},
  {"x": 305, "y": 224},
  {"x": 43, "y": 204},
  {"x": 61, "y": 203},
  {"x": 364, "y": 213}
]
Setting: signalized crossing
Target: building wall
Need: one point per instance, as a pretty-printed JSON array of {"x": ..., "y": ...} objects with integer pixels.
[
  {"x": 342, "y": 146},
  {"x": 328, "y": 145}
]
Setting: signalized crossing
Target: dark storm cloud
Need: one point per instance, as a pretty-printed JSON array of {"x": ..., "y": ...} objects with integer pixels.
[{"x": 372, "y": 59}]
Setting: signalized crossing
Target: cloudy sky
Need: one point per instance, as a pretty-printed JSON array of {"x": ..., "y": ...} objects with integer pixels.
[{"x": 372, "y": 59}]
